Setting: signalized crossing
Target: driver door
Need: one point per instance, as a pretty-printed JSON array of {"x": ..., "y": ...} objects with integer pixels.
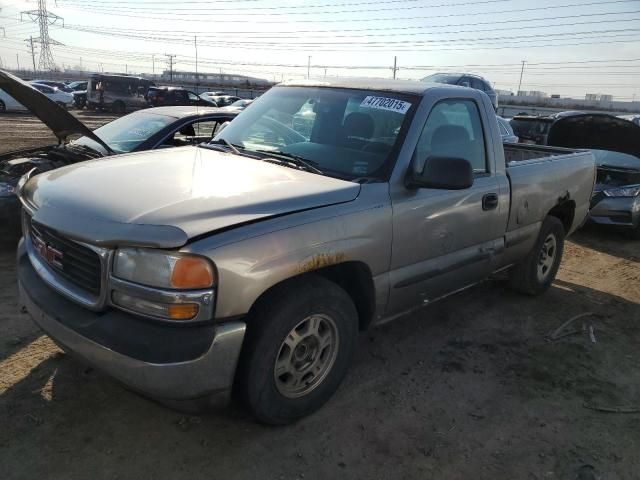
[{"x": 444, "y": 240}]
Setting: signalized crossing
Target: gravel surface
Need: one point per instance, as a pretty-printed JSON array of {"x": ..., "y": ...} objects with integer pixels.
[{"x": 467, "y": 388}]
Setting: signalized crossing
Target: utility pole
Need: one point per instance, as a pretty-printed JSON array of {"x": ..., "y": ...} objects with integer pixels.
[
  {"x": 18, "y": 61},
  {"x": 126, "y": 69},
  {"x": 308, "y": 66},
  {"x": 395, "y": 66},
  {"x": 33, "y": 53},
  {"x": 170, "y": 57},
  {"x": 195, "y": 44},
  {"x": 153, "y": 63},
  {"x": 521, "y": 72},
  {"x": 325, "y": 72}
]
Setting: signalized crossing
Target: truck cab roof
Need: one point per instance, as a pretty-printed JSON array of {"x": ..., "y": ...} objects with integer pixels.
[{"x": 413, "y": 87}]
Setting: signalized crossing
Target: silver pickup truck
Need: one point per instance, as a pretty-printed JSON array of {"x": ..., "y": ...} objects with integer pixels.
[{"x": 250, "y": 263}]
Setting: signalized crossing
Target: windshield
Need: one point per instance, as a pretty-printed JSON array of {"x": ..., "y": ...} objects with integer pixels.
[
  {"x": 344, "y": 133},
  {"x": 126, "y": 133}
]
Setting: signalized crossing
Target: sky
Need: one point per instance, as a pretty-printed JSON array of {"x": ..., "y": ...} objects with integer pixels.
[{"x": 570, "y": 47}]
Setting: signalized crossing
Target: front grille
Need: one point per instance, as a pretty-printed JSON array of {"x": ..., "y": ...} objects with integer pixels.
[{"x": 74, "y": 262}]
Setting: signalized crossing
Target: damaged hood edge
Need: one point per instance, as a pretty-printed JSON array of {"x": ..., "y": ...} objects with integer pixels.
[{"x": 61, "y": 122}]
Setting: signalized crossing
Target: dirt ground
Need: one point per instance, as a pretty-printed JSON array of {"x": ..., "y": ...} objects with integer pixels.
[
  {"x": 467, "y": 388},
  {"x": 22, "y": 130}
]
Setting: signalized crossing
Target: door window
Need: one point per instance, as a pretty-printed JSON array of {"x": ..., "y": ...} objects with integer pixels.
[
  {"x": 453, "y": 129},
  {"x": 193, "y": 97}
]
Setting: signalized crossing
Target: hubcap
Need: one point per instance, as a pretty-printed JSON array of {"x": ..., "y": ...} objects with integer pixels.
[
  {"x": 306, "y": 356},
  {"x": 546, "y": 257}
]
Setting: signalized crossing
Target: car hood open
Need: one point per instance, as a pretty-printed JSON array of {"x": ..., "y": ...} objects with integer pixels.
[
  {"x": 163, "y": 198},
  {"x": 595, "y": 131},
  {"x": 61, "y": 122}
]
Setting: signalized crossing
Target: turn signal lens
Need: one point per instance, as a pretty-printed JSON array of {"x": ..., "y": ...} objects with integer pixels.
[
  {"x": 191, "y": 273},
  {"x": 183, "y": 311}
]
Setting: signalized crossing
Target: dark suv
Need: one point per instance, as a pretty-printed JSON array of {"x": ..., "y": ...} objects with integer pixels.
[
  {"x": 466, "y": 80},
  {"x": 164, "y": 96}
]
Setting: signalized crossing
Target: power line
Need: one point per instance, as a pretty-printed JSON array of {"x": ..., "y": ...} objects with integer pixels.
[
  {"x": 176, "y": 10},
  {"x": 174, "y": 17}
]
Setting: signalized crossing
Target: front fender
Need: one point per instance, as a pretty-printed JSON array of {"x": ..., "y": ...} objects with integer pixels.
[{"x": 297, "y": 244}]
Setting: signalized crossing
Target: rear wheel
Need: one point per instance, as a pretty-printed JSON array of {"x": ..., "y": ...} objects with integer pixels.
[
  {"x": 118, "y": 107},
  {"x": 298, "y": 349},
  {"x": 535, "y": 274}
]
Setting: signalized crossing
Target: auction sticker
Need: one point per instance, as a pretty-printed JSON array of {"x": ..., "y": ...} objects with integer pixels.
[{"x": 385, "y": 103}]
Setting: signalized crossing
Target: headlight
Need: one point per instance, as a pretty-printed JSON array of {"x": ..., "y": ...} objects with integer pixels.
[
  {"x": 628, "y": 191},
  {"x": 7, "y": 190},
  {"x": 163, "y": 269}
]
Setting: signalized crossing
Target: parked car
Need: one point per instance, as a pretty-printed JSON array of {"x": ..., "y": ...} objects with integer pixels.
[
  {"x": 79, "y": 92},
  {"x": 62, "y": 98},
  {"x": 241, "y": 104},
  {"x": 213, "y": 94},
  {"x": 252, "y": 261},
  {"x": 531, "y": 129},
  {"x": 117, "y": 93},
  {"x": 143, "y": 130},
  {"x": 635, "y": 118},
  {"x": 615, "y": 142},
  {"x": 161, "y": 96},
  {"x": 51, "y": 83},
  {"x": 10, "y": 104},
  {"x": 223, "y": 100},
  {"x": 506, "y": 132},
  {"x": 466, "y": 80},
  {"x": 78, "y": 86}
]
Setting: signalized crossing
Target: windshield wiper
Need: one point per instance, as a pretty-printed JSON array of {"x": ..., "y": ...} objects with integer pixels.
[
  {"x": 237, "y": 149},
  {"x": 296, "y": 160}
]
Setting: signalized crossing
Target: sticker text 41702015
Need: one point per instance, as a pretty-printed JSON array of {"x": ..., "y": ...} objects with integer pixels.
[{"x": 386, "y": 103}]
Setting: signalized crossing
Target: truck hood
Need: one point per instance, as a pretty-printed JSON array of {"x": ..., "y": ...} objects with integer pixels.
[
  {"x": 162, "y": 198},
  {"x": 61, "y": 122},
  {"x": 596, "y": 131}
]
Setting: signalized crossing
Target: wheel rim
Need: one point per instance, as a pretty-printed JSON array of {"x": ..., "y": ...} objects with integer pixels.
[
  {"x": 547, "y": 257},
  {"x": 306, "y": 356}
]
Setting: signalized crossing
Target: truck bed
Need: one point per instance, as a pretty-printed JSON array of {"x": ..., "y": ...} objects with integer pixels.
[
  {"x": 543, "y": 178},
  {"x": 518, "y": 152}
]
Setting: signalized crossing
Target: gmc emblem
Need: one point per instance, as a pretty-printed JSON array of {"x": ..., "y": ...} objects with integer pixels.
[{"x": 49, "y": 254}]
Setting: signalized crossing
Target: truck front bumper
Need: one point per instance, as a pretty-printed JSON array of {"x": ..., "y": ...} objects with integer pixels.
[{"x": 178, "y": 365}]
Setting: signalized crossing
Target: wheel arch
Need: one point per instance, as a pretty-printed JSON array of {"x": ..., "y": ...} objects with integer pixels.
[
  {"x": 564, "y": 211},
  {"x": 354, "y": 277}
]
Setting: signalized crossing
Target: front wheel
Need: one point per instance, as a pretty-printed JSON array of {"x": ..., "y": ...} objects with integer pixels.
[
  {"x": 535, "y": 274},
  {"x": 298, "y": 349}
]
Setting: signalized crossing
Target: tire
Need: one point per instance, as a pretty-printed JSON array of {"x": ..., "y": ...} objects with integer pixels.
[
  {"x": 3, "y": 107},
  {"x": 537, "y": 271},
  {"x": 118, "y": 107},
  {"x": 311, "y": 365}
]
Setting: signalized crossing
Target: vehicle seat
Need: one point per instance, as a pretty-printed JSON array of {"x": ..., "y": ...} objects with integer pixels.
[
  {"x": 451, "y": 141},
  {"x": 357, "y": 129}
]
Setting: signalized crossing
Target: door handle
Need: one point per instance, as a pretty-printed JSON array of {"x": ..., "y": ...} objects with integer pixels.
[{"x": 490, "y": 201}]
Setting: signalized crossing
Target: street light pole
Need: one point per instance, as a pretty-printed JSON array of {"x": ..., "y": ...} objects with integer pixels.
[{"x": 308, "y": 66}]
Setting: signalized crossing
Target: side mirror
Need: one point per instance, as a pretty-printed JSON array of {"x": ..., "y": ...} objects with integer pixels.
[{"x": 444, "y": 173}]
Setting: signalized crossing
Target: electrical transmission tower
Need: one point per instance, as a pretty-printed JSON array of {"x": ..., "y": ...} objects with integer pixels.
[{"x": 44, "y": 18}]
